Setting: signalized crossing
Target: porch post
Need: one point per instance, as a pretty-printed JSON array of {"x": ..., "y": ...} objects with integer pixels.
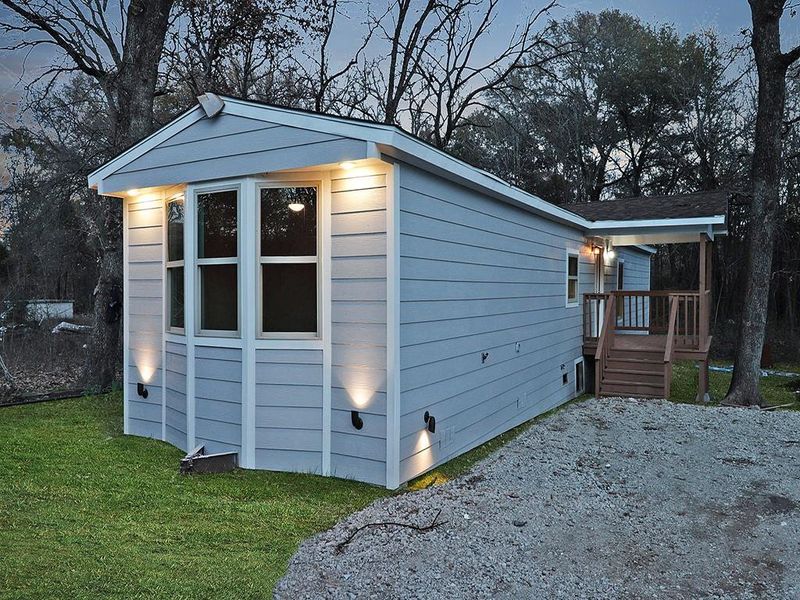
[{"x": 705, "y": 315}]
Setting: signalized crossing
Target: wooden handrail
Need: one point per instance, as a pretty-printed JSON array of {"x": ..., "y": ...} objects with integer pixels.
[
  {"x": 673, "y": 322},
  {"x": 668, "y": 349},
  {"x": 608, "y": 324}
]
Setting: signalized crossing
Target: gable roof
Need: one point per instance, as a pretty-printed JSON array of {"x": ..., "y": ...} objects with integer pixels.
[
  {"x": 369, "y": 140},
  {"x": 680, "y": 206}
]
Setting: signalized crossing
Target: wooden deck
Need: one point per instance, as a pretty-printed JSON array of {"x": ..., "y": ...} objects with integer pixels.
[{"x": 634, "y": 337}]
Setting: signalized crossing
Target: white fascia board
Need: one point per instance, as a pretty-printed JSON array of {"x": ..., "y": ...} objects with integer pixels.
[
  {"x": 644, "y": 248},
  {"x": 612, "y": 227},
  {"x": 180, "y": 123}
]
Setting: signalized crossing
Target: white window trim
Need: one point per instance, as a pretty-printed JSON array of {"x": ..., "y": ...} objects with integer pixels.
[
  {"x": 200, "y": 262},
  {"x": 171, "y": 264},
  {"x": 572, "y": 303},
  {"x": 620, "y": 261},
  {"x": 579, "y": 361},
  {"x": 289, "y": 182}
]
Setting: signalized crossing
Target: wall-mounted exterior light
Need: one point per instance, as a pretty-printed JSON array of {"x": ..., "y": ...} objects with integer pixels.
[
  {"x": 142, "y": 390},
  {"x": 356, "y": 419},
  {"x": 347, "y": 165},
  {"x": 430, "y": 421}
]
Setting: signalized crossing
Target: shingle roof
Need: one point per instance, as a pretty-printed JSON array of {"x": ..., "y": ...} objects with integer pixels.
[{"x": 681, "y": 206}]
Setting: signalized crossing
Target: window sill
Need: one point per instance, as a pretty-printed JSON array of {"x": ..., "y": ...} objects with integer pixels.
[{"x": 288, "y": 344}]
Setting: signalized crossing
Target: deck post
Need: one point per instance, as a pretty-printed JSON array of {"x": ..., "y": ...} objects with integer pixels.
[{"x": 702, "y": 382}]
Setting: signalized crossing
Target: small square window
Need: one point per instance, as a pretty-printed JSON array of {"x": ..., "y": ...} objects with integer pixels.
[{"x": 572, "y": 279}]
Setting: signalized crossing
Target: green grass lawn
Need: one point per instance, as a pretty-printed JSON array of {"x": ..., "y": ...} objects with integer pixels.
[
  {"x": 86, "y": 512},
  {"x": 776, "y": 390}
]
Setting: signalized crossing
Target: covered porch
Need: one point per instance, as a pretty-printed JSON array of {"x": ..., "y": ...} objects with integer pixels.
[{"x": 634, "y": 336}]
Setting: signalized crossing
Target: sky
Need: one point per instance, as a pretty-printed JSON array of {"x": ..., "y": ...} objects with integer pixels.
[{"x": 727, "y": 17}]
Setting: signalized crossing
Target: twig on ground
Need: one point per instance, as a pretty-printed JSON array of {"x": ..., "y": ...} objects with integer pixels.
[
  {"x": 779, "y": 406},
  {"x": 432, "y": 525}
]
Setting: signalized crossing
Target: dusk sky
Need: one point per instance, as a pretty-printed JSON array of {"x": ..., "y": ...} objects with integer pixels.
[{"x": 726, "y": 17}]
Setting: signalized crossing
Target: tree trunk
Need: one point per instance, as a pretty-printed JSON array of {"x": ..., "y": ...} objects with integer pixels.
[
  {"x": 132, "y": 91},
  {"x": 766, "y": 169}
]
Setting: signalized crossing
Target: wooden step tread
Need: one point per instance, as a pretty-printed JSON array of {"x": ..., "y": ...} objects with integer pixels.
[
  {"x": 613, "y": 394},
  {"x": 635, "y": 373}
]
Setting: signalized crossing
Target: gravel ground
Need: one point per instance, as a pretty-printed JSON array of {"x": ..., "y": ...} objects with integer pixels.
[{"x": 606, "y": 499}]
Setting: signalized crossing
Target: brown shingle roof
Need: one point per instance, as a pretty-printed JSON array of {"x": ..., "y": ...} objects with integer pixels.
[{"x": 682, "y": 206}]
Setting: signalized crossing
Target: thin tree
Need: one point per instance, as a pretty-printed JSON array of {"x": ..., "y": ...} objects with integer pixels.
[
  {"x": 120, "y": 48},
  {"x": 772, "y": 65}
]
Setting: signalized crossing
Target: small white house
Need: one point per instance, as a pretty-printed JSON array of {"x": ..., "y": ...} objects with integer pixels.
[{"x": 334, "y": 296}]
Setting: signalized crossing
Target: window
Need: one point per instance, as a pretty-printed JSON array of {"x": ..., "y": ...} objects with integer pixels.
[
  {"x": 175, "y": 263},
  {"x": 288, "y": 257},
  {"x": 217, "y": 261},
  {"x": 580, "y": 377},
  {"x": 572, "y": 278}
]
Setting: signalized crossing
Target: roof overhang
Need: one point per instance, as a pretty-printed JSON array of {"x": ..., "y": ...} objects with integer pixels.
[
  {"x": 660, "y": 231},
  {"x": 388, "y": 142}
]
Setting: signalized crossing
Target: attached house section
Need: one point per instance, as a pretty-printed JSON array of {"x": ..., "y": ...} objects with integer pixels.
[{"x": 488, "y": 334}]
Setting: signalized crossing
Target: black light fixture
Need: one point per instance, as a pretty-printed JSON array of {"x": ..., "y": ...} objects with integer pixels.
[
  {"x": 430, "y": 421},
  {"x": 356, "y": 419},
  {"x": 141, "y": 390}
]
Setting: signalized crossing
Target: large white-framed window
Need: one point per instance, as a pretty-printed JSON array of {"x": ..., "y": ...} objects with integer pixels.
[
  {"x": 217, "y": 260},
  {"x": 175, "y": 264},
  {"x": 572, "y": 278},
  {"x": 288, "y": 243}
]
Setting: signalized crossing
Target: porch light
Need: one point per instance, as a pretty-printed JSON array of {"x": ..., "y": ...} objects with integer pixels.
[
  {"x": 133, "y": 192},
  {"x": 430, "y": 422},
  {"x": 142, "y": 390},
  {"x": 356, "y": 419},
  {"x": 347, "y": 165},
  {"x": 609, "y": 249},
  {"x": 596, "y": 250},
  {"x": 296, "y": 206}
]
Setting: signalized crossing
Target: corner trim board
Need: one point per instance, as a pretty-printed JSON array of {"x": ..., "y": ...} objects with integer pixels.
[{"x": 393, "y": 327}]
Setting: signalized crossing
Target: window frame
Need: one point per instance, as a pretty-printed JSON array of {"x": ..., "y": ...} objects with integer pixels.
[
  {"x": 262, "y": 260},
  {"x": 582, "y": 363},
  {"x": 201, "y": 262},
  {"x": 620, "y": 271},
  {"x": 577, "y": 278},
  {"x": 173, "y": 264}
]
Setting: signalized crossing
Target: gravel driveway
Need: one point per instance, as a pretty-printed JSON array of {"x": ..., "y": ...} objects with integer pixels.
[{"x": 606, "y": 499}]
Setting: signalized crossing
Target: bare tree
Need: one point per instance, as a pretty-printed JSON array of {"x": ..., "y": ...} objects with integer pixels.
[
  {"x": 456, "y": 84},
  {"x": 772, "y": 65},
  {"x": 120, "y": 48}
]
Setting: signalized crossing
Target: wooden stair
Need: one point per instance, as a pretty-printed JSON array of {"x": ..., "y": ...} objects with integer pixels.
[{"x": 634, "y": 367}]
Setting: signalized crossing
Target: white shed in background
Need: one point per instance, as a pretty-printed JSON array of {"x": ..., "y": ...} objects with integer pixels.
[{"x": 334, "y": 296}]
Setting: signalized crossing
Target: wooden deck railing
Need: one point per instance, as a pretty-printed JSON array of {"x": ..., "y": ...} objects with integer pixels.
[{"x": 649, "y": 312}]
